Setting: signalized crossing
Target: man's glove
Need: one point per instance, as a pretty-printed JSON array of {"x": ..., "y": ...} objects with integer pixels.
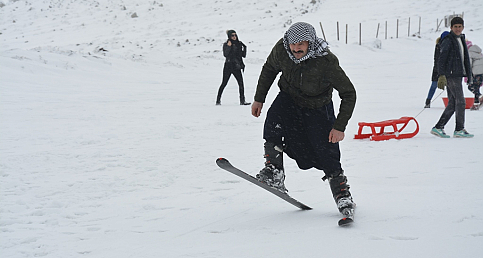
[{"x": 442, "y": 82}]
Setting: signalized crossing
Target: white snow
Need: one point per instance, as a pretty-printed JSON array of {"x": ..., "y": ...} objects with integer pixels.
[{"x": 112, "y": 153}]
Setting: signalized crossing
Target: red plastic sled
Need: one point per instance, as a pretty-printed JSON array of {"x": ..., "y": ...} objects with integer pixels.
[
  {"x": 381, "y": 135},
  {"x": 468, "y": 102}
]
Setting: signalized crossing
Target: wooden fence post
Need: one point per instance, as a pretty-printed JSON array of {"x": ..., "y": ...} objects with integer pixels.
[
  {"x": 337, "y": 31},
  {"x": 360, "y": 32},
  {"x": 322, "y": 31},
  {"x": 409, "y": 26},
  {"x": 346, "y": 32},
  {"x": 385, "y": 32},
  {"x": 439, "y": 24},
  {"x": 419, "y": 30}
]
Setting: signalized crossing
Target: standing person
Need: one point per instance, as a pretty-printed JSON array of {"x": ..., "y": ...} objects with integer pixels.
[
  {"x": 434, "y": 76},
  {"x": 453, "y": 65},
  {"x": 301, "y": 120},
  {"x": 233, "y": 50},
  {"x": 476, "y": 60}
]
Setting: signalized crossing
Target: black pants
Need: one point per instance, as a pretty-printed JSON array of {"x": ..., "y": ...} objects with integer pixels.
[
  {"x": 456, "y": 104},
  {"x": 304, "y": 133},
  {"x": 227, "y": 72}
]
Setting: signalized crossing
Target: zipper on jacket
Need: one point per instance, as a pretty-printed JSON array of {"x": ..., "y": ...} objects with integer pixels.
[
  {"x": 301, "y": 76},
  {"x": 301, "y": 79}
]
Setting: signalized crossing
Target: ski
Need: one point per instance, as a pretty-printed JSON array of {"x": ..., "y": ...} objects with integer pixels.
[
  {"x": 226, "y": 165},
  {"x": 348, "y": 218}
]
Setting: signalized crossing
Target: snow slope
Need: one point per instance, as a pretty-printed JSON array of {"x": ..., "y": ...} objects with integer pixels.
[{"x": 109, "y": 134}]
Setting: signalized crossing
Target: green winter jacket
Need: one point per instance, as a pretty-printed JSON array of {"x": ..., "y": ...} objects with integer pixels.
[{"x": 309, "y": 83}]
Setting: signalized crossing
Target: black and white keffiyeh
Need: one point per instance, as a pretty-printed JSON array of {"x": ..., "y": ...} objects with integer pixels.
[{"x": 302, "y": 31}]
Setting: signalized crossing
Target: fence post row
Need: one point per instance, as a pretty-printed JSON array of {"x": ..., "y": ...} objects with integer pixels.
[{"x": 446, "y": 19}]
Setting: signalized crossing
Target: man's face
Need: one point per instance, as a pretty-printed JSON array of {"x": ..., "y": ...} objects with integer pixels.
[
  {"x": 457, "y": 29},
  {"x": 300, "y": 49}
]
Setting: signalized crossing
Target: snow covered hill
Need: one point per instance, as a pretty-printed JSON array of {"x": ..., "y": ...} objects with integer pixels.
[{"x": 109, "y": 133}]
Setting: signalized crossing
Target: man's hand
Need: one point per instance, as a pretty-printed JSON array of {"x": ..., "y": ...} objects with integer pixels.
[
  {"x": 229, "y": 43},
  {"x": 257, "y": 108},
  {"x": 336, "y": 136}
]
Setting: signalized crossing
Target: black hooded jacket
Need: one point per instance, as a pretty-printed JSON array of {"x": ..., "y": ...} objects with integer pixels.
[
  {"x": 234, "y": 54},
  {"x": 450, "y": 63}
]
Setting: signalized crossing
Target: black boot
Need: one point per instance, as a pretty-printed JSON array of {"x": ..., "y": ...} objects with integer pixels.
[
  {"x": 340, "y": 190},
  {"x": 218, "y": 98},
  {"x": 243, "y": 102},
  {"x": 428, "y": 103},
  {"x": 273, "y": 154},
  {"x": 273, "y": 173}
]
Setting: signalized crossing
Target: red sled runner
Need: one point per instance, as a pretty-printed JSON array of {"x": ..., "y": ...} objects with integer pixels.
[{"x": 381, "y": 135}]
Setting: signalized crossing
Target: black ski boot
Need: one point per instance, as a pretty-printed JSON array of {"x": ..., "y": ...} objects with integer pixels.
[
  {"x": 273, "y": 173},
  {"x": 340, "y": 191}
]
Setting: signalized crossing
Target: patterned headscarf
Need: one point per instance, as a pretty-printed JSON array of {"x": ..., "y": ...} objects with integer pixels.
[{"x": 302, "y": 31}]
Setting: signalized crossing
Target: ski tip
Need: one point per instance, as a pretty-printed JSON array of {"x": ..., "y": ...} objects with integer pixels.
[
  {"x": 345, "y": 222},
  {"x": 221, "y": 161}
]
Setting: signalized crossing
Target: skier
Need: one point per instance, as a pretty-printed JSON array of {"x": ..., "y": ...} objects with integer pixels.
[
  {"x": 233, "y": 50},
  {"x": 453, "y": 65},
  {"x": 301, "y": 120},
  {"x": 434, "y": 76}
]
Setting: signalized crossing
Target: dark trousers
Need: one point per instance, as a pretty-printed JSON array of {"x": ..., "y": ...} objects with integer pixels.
[
  {"x": 475, "y": 87},
  {"x": 227, "y": 72},
  {"x": 304, "y": 134},
  {"x": 456, "y": 104}
]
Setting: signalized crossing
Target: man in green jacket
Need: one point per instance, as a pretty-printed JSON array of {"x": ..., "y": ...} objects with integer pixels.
[{"x": 301, "y": 120}]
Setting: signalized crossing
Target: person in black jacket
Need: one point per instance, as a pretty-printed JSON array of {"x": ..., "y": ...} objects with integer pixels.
[
  {"x": 233, "y": 50},
  {"x": 453, "y": 65},
  {"x": 434, "y": 76},
  {"x": 301, "y": 122}
]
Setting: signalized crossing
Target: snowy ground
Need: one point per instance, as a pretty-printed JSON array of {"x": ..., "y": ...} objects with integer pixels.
[{"x": 109, "y": 134}]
